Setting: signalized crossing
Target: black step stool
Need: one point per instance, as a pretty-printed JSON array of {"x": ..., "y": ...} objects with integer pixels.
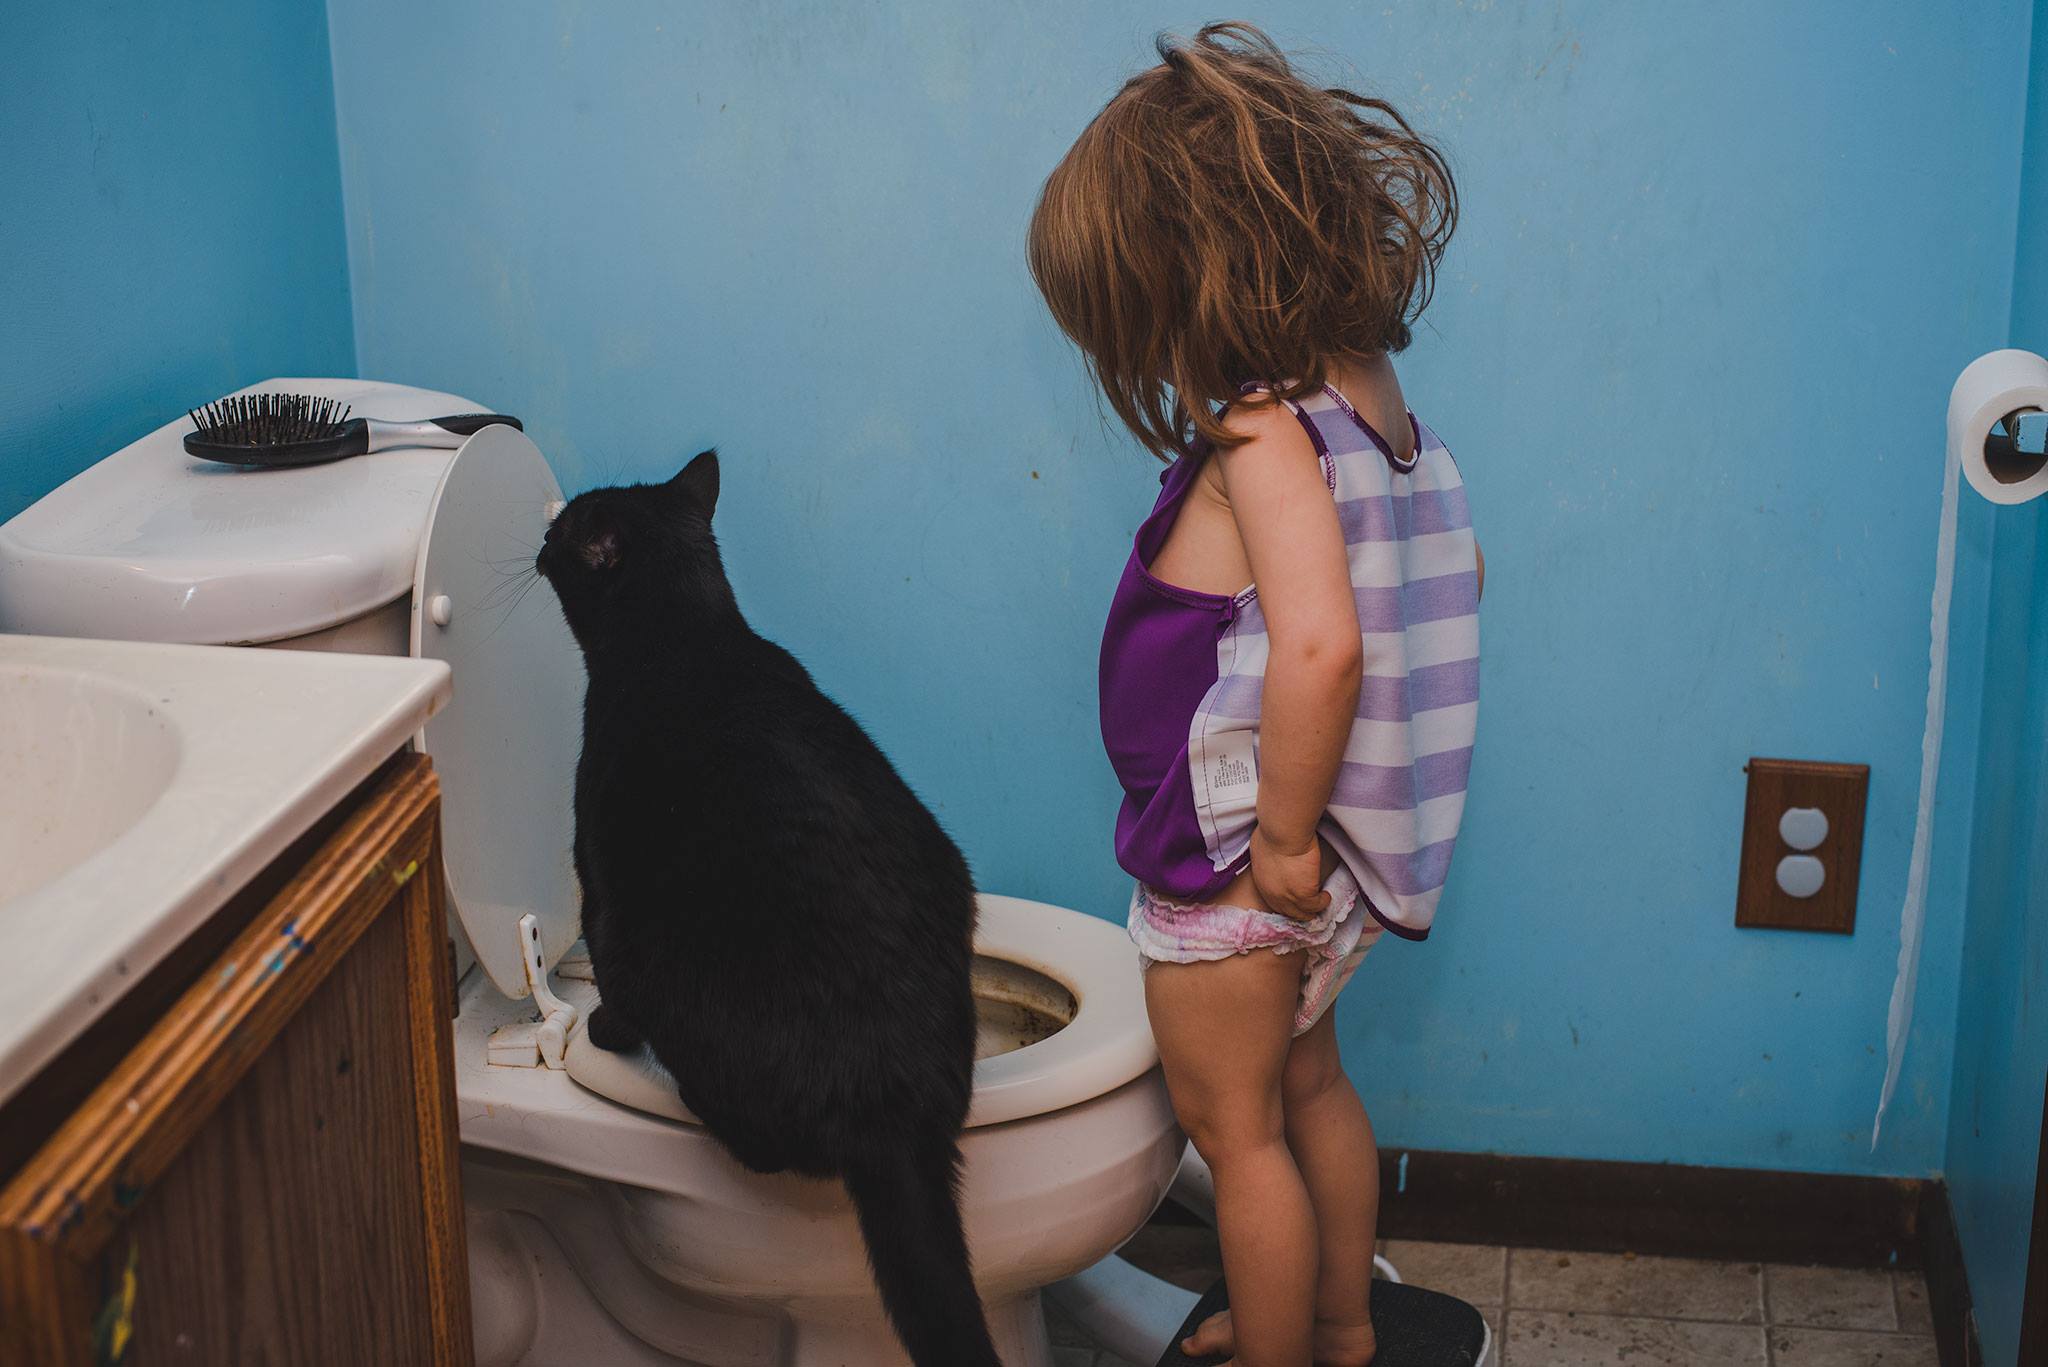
[{"x": 1415, "y": 1328}]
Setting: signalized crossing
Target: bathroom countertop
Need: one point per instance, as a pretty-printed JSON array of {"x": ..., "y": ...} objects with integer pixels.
[{"x": 145, "y": 784}]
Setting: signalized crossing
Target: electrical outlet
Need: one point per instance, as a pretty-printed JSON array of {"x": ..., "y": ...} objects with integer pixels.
[{"x": 1802, "y": 845}]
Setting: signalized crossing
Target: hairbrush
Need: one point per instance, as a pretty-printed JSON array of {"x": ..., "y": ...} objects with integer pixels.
[{"x": 301, "y": 429}]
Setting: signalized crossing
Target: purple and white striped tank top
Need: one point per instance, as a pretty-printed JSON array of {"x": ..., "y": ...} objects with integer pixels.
[{"x": 1183, "y": 673}]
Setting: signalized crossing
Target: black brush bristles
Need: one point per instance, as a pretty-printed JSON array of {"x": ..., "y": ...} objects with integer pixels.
[{"x": 269, "y": 419}]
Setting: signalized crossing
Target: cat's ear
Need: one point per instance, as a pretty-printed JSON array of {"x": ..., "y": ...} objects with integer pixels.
[
  {"x": 600, "y": 550},
  {"x": 696, "y": 484}
]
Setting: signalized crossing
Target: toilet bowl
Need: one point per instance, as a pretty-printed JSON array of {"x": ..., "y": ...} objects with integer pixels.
[
  {"x": 1069, "y": 1147},
  {"x": 605, "y": 1225}
]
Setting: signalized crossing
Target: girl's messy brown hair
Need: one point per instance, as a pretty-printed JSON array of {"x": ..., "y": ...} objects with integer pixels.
[{"x": 1222, "y": 221}]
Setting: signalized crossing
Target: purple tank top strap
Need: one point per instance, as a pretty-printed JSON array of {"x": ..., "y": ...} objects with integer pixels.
[{"x": 1175, "y": 482}]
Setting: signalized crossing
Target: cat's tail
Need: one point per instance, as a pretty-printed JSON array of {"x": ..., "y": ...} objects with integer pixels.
[{"x": 909, "y": 1212}]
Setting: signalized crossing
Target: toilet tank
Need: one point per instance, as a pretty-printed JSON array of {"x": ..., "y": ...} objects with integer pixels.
[
  {"x": 152, "y": 545},
  {"x": 408, "y": 551}
]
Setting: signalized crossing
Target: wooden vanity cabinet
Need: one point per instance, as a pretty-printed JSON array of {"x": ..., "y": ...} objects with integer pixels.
[{"x": 262, "y": 1170}]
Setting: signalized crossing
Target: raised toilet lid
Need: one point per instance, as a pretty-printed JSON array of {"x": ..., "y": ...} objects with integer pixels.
[
  {"x": 506, "y": 746},
  {"x": 1107, "y": 1044}
]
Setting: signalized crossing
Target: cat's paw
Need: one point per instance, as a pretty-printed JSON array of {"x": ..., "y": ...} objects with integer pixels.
[{"x": 611, "y": 1032}]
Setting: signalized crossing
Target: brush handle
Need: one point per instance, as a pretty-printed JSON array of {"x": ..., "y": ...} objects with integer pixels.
[{"x": 445, "y": 433}]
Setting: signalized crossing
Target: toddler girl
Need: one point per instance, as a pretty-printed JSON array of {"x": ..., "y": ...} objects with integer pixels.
[{"x": 1290, "y": 670}]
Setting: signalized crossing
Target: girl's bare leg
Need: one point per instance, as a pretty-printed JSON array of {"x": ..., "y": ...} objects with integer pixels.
[
  {"x": 1222, "y": 1030},
  {"x": 1332, "y": 1143}
]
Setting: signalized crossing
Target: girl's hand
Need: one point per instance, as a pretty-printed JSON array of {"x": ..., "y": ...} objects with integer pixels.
[{"x": 1290, "y": 880}]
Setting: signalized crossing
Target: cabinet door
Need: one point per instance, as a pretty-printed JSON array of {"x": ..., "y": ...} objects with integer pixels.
[{"x": 270, "y": 1175}]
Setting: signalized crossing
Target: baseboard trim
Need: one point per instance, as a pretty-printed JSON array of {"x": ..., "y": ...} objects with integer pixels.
[
  {"x": 1675, "y": 1210},
  {"x": 1664, "y": 1208}
]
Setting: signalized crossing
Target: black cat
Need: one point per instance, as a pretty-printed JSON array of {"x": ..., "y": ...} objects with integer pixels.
[{"x": 767, "y": 903}]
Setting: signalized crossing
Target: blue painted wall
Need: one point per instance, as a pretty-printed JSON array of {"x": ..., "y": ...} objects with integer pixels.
[
  {"x": 172, "y": 226},
  {"x": 2001, "y": 1056},
  {"x": 2002, "y": 1029},
  {"x": 1693, "y": 347}
]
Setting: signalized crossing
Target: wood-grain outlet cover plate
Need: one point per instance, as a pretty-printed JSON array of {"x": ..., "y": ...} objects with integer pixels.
[{"x": 1776, "y": 785}]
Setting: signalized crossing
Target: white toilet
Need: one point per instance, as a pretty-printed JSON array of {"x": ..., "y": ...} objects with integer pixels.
[{"x": 605, "y": 1227}]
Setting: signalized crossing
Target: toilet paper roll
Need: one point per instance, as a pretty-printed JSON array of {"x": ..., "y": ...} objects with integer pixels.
[{"x": 1990, "y": 387}]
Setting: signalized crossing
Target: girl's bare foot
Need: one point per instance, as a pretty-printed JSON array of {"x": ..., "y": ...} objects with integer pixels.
[
  {"x": 1336, "y": 1345},
  {"x": 1345, "y": 1345},
  {"x": 1212, "y": 1336}
]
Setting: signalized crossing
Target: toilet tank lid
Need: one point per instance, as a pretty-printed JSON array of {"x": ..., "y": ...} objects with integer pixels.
[{"x": 152, "y": 545}]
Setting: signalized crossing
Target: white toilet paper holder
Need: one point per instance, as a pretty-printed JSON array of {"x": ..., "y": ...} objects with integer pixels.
[{"x": 2025, "y": 434}]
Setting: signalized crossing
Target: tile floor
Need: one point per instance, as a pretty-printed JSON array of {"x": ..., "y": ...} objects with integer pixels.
[{"x": 1552, "y": 1309}]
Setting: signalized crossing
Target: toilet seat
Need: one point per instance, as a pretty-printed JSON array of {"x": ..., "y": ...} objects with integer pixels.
[
  {"x": 555, "y": 1118},
  {"x": 1105, "y": 1045}
]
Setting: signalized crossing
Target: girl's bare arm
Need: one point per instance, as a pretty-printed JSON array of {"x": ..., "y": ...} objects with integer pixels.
[{"x": 1292, "y": 540}]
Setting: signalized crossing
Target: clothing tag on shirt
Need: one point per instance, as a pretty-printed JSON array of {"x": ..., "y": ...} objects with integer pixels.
[{"x": 1230, "y": 772}]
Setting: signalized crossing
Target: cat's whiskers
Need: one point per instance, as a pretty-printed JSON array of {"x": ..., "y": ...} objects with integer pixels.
[
  {"x": 511, "y": 581},
  {"x": 525, "y": 585}
]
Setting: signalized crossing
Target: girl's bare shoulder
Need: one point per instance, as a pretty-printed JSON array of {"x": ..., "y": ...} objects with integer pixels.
[{"x": 1271, "y": 439}]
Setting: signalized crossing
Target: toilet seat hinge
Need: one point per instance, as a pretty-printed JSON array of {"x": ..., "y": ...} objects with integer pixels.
[{"x": 529, "y": 1044}]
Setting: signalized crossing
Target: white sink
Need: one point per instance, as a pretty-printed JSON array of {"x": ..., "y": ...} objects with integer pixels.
[
  {"x": 142, "y": 785},
  {"x": 86, "y": 758}
]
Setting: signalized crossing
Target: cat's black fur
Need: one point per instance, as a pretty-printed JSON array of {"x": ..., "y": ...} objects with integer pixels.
[{"x": 767, "y": 903}]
